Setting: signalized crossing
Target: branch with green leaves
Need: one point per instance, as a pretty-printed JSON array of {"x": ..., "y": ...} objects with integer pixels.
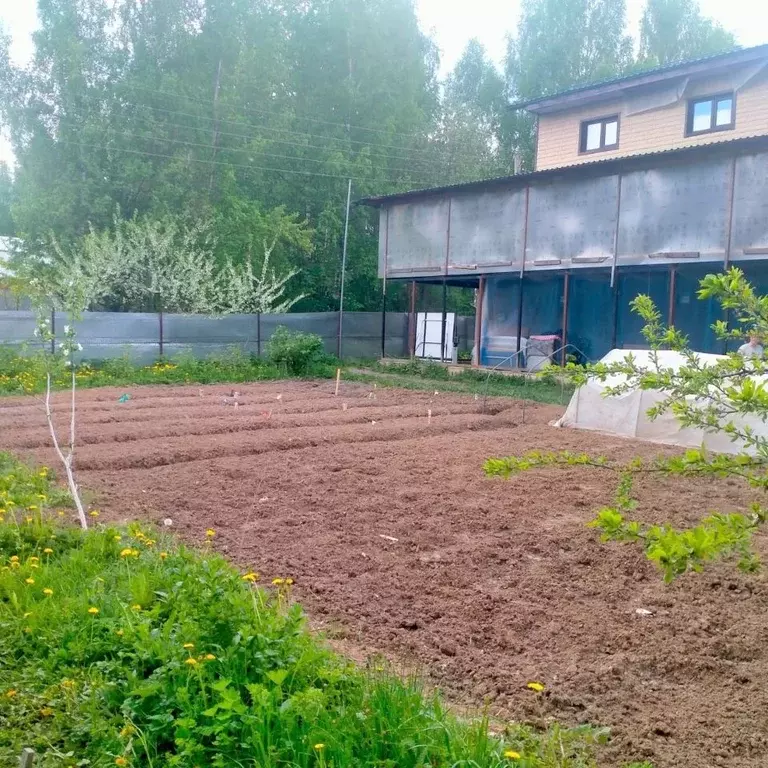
[{"x": 674, "y": 550}]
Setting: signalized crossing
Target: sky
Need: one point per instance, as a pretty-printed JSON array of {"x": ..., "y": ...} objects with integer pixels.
[{"x": 452, "y": 23}]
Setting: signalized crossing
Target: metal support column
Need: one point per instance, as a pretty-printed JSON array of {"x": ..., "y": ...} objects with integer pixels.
[
  {"x": 479, "y": 320},
  {"x": 566, "y": 291},
  {"x": 412, "y": 322},
  {"x": 672, "y": 290}
]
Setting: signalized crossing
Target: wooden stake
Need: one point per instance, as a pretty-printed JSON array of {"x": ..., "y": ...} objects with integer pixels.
[
  {"x": 338, "y": 379},
  {"x": 27, "y": 758},
  {"x": 429, "y": 417}
]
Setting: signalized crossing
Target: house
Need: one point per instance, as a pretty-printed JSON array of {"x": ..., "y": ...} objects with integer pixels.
[{"x": 642, "y": 184}]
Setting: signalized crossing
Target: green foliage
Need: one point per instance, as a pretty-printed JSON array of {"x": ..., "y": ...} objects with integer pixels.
[
  {"x": 675, "y": 30},
  {"x": 120, "y": 648},
  {"x": 300, "y": 354},
  {"x": 712, "y": 396},
  {"x": 27, "y": 374}
]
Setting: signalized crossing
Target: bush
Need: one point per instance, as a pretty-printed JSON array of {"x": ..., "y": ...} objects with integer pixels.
[
  {"x": 299, "y": 353},
  {"x": 122, "y": 648}
]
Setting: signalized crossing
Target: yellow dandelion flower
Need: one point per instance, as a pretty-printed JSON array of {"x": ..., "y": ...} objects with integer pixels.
[
  {"x": 27, "y": 614},
  {"x": 15, "y": 564},
  {"x": 33, "y": 507},
  {"x": 136, "y": 607},
  {"x": 191, "y": 661},
  {"x": 28, "y": 519},
  {"x": 319, "y": 747},
  {"x": 34, "y": 559},
  {"x": 14, "y": 558},
  {"x": 163, "y": 555},
  {"x": 11, "y": 693},
  {"x": 251, "y": 576},
  {"x": 119, "y": 633},
  {"x": 210, "y": 533},
  {"x": 47, "y": 551},
  {"x": 93, "y": 611},
  {"x": 510, "y": 754},
  {"x": 277, "y": 582},
  {"x": 210, "y": 657},
  {"x": 188, "y": 646},
  {"x": 289, "y": 582},
  {"x": 121, "y": 761},
  {"x": 47, "y": 591},
  {"x": 534, "y": 686},
  {"x": 29, "y": 581},
  {"x": 94, "y": 513},
  {"x": 65, "y": 683},
  {"x": 46, "y": 712},
  {"x": 118, "y": 537},
  {"x": 127, "y": 730},
  {"x": 34, "y": 565}
]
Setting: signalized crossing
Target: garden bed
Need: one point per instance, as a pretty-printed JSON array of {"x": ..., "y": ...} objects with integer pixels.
[{"x": 399, "y": 544}]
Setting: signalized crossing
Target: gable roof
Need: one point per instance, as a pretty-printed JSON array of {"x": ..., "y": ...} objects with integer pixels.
[{"x": 583, "y": 94}]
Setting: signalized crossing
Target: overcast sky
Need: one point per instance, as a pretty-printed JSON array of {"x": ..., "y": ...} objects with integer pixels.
[{"x": 452, "y": 23}]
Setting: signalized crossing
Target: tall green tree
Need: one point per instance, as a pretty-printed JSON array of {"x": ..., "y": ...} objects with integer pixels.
[
  {"x": 7, "y": 227},
  {"x": 560, "y": 44},
  {"x": 675, "y": 30}
]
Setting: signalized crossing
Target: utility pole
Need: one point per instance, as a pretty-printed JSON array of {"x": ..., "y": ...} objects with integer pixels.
[
  {"x": 343, "y": 270},
  {"x": 216, "y": 88}
]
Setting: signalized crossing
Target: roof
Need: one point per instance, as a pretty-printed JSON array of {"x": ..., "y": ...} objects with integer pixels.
[
  {"x": 602, "y": 167},
  {"x": 601, "y": 89}
]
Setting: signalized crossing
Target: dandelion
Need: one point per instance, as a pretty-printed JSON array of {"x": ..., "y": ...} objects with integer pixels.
[
  {"x": 510, "y": 754},
  {"x": 47, "y": 591},
  {"x": 210, "y": 533},
  {"x": 14, "y": 558},
  {"x": 11, "y": 693},
  {"x": 118, "y": 537},
  {"x": 289, "y": 582},
  {"x": 129, "y": 552},
  {"x": 43, "y": 472},
  {"x": 28, "y": 520},
  {"x": 210, "y": 657},
  {"x": 34, "y": 559},
  {"x": 319, "y": 747},
  {"x": 136, "y": 607},
  {"x": 534, "y": 686},
  {"x": 163, "y": 555},
  {"x": 127, "y": 730},
  {"x": 251, "y": 576},
  {"x": 93, "y": 611},
  {"x": 277, "y": 582},
  {"x": 65, "y": 683},
  {"x": 191, "y": 661},
  {"x": 94, "y": 513},
  {"x": 119, "y": 633},
  {"x": 46, "y": 712},
  {"x": 27, "y": 614},
  {"x": 29, "y": 581},
  {"x": 47, "y": 551},
  {"x": 188, "y": 646},
  {"x": 121, "y": 761}
]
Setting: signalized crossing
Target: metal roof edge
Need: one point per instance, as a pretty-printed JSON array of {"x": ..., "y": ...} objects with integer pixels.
[
  {"x": 596, "y": 167},
  {"x": 643, "y": 77}
]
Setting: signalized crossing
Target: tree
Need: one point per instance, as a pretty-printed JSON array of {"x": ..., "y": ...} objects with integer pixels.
[
  {"x": 712, "y": 397},
  {"x": 7, "y": 228},
  {"x": 560, "y": 44},
  {"x": 675, "y": 30}
]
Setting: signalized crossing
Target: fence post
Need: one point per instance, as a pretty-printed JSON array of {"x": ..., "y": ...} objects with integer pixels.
[{"x": 27, "y": 758}]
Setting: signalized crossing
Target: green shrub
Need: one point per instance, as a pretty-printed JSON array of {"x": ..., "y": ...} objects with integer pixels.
[
  {"x": 121, "y": 648},
  {"x": 299, "y": 353}
]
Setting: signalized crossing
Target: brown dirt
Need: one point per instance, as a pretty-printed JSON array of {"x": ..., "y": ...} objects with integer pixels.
[{"x": 490, "y": 583}]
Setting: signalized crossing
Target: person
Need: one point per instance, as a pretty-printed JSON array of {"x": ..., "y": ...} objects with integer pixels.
[{"x": 753, "y": 348}]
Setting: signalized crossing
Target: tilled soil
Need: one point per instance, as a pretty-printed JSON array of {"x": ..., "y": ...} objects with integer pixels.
[{"x": 400, "y": 545}]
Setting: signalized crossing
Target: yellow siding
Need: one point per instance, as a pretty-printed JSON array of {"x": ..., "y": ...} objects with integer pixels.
[{"x": 657, "y": 129}]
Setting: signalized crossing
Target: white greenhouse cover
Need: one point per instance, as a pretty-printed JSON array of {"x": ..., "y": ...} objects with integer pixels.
[{"x": 625, "y": 415}]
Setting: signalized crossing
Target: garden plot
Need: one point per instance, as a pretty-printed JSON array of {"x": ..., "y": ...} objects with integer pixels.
[{"x": 399, "y": 544}]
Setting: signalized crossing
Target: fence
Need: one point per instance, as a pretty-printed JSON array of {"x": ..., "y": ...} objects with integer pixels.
[{"x": 146, "y": 336}]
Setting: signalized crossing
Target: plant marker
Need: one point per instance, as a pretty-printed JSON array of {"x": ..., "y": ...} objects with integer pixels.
[
  {"x": 429, "y": 416},
  {"x": 338, "y": 378}
]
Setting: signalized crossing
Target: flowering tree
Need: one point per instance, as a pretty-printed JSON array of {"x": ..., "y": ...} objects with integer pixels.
[
  {"x": 69, "y": 282},
  {"x": 712, "y": 397}
]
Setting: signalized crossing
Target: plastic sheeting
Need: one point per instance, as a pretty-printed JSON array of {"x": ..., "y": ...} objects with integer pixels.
[
  {"x": 750, "y": 205},
  {"x": 631, "y": 283},
  {"x": 414, "y": 237},
  {"x": 625, "y": 415},
  {"x": 590, "y": 315}
]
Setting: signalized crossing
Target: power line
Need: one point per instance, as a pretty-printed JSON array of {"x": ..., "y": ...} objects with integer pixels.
[
  {"x": 152, "y": 137},
  {"x": 165, "y": 124},
  {"x": 249, "y": 167},
  {"x": 274, "y": 114}
]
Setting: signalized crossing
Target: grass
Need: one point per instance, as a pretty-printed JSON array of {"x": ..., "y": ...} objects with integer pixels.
[
  {"x": 426, "y": 375},
  {"x": 26, "y": 374},
  {"x": 119, "y": 647}
]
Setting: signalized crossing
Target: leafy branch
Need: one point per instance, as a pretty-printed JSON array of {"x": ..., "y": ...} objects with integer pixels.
[{"x": 714, "y": 394}]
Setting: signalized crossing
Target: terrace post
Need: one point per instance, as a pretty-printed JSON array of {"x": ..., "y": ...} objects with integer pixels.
[
  {"x": 566, "y": 291},
  {"x": 412, "y": 322},
  {"x": 479, "y": 321}
]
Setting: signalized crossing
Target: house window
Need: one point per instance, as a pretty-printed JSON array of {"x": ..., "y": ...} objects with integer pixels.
[
  {"x": 598, "y": 135},
  {"x": 715, "y": 113}
]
